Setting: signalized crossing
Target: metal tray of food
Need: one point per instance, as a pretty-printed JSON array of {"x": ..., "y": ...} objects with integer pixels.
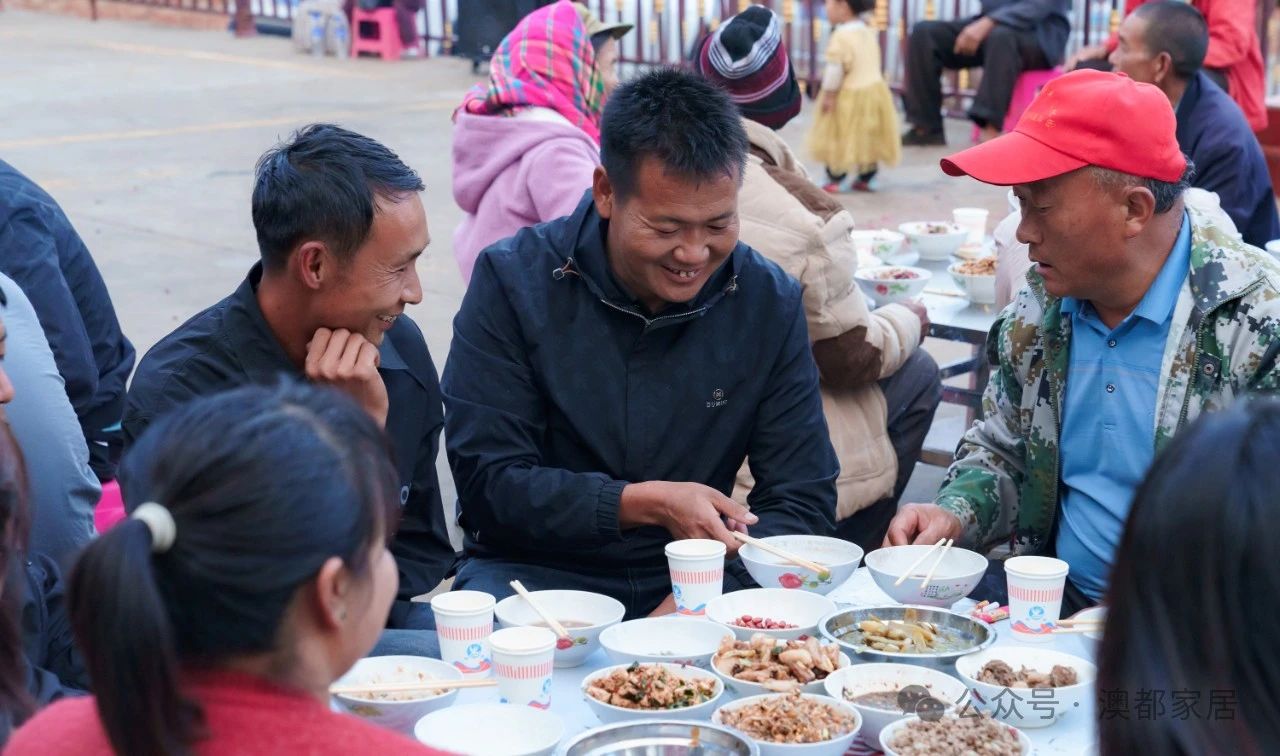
[
  {"x": 656, "y": 737},
  {"x": 955, "y": 634}
]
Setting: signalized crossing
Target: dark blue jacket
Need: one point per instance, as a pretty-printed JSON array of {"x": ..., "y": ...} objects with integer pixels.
[
  {"x": 560, "y": 389},
  {"x": 1213, "y": 132},
  {"x": 41, "y": 251}
]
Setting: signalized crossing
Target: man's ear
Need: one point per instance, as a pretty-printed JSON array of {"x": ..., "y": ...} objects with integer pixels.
[
  {"x": 312, "y": 264},
  {"x": 1139, "y": 209},
  {"x": 602, "y": 192},
  {"x": 1164, "y": 68}
]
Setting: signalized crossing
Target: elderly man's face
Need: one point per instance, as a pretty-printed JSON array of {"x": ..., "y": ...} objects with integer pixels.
[
  {"x": 1076, "y": 232},
  {"x": 1132, "y": 57},
  {"x": 372, "y": 289},
  {"x": 669, "y": 237}
]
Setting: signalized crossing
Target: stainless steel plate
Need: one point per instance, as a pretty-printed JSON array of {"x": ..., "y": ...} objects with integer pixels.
[
  {"x": 660, "y": 738},
  {"x": 842, "y": 627}
]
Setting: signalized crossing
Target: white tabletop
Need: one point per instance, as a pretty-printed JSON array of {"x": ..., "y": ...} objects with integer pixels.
[{"x": 1072, "y": 735}]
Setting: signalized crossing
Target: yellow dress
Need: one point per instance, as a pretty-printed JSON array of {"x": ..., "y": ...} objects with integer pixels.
[{"x": 862, "y": 129}]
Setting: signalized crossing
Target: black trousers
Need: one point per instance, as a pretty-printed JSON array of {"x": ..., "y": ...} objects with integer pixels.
[
  {"x": 912, "y": 394},
  {"x": 1004, "y": 55}
]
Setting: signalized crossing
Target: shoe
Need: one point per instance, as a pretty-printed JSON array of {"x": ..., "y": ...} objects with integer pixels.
[
  {"x": 862, "y": 186},
  {"x": 832, "y": 187},
  {"x": 921, "y": 138}
]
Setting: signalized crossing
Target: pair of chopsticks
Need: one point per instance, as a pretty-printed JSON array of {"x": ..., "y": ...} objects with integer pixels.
[
  {"x": 347, "y": 690},
  {"x": 823, "y": 572},
  {"x": 945, "y": 293},
  {"x": 1079, "y": 626},
  {"x": 946, "y": 544},
  {"x": 552, "y": 622}
]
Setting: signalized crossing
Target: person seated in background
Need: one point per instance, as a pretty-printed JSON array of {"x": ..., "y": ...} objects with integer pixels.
[
  {"x": 610, "y": 371},
  {"x": 1139, "y": 316},
  {"x": 1006, "y": 38},
  {"x": 1197, "y": 556},
  {"x": 252, "y": 573},
  {"x": 1163, "y": 43},
  {"x": 1233, "y": 60},
  {"x": 41, "y": 251},
  {"x": 526, "y": 145},
  {"x": 340, "y": 228},
  {"x": 879, "y": 388}
]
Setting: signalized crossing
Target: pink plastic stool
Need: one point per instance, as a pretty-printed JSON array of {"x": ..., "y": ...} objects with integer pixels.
[
  {"x": 1025, "y": 90},
  {"x": 385, "y": 40},
  {"x": 110, "y": 509}
]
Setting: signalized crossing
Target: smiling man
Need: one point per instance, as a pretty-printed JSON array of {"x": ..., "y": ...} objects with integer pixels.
[
  {"x": 611, "y": 370},
  {"x": 340, "y": 228},
  {"x": 1140, "y": 315}
]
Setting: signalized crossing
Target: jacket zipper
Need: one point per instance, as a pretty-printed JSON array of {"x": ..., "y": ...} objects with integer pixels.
[{"x": 648, "y": 322}]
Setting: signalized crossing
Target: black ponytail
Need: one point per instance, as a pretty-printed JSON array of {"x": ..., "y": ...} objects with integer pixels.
[{"x": 264, "y": 485}]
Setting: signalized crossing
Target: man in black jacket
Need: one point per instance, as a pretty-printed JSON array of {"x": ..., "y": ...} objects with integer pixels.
[
  {"x": 340, "y": 227},
  {"x": 611, "y": 370},
  {"x": 1005, "y": 39}
]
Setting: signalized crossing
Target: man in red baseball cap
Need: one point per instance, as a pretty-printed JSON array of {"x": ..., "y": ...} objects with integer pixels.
[{"x": 1139, "y": 315}]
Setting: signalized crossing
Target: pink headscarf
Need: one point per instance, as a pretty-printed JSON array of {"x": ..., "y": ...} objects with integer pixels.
[{"x": 546, "y": 61}]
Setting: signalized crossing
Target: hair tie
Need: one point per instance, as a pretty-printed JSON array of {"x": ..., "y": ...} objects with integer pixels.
[{"x": 159, "y": 520}]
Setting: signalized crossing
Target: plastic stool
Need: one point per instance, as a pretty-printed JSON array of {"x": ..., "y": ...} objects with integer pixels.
[
  {"x": 110, "y": 508},
  {"x": 385, "y": 43},
  {"x": 1025, "y": 89}
]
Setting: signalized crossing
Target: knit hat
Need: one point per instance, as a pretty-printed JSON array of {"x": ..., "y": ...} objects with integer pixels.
[{"x": 746, "y": 58}]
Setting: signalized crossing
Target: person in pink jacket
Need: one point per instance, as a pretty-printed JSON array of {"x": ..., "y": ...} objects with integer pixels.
[{"x": 526, "y": 144}]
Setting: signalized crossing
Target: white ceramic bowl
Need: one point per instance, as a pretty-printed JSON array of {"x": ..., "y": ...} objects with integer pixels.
[
  {"x": 888, "y": 733},
  {"x": 799, "y": 608},
  {"x": 841, "y": 558},
  {"x": 890, "y": 290},
  {"x": 679, "y": 640},
  {"x": 833, "y": 747},
  {"x": 1093, "y": 638},
  {"x": 739, "y": 688},
  {"x": 597, "y": 610},
  {"x": 957, "y": 574},
  {"x": 608, "y": 713},
  {"x": 396, "y": 715},
  {"x": 934, "y": 246},
  {"x": 491, "y": 729},
  {"x": 861, "y": 679},
  {"x": 882, "y": 243},
  {"x": 979, "y": 289},
  {"x": 1020, "y": 706}
]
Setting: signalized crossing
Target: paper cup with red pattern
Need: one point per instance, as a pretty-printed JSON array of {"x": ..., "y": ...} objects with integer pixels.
[
  {"x": 697, "y": 574},
  {"x": 523, "y": 658},
  {"x": 1035, "y": 596},
  {"x": 464, "y": 622}
]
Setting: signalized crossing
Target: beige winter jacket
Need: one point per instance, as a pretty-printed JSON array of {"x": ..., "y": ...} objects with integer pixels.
[{"x": 803, "y": 229}]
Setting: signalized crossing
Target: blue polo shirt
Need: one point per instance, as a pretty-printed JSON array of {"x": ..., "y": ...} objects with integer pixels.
[{"x": 1108, "y": 418}]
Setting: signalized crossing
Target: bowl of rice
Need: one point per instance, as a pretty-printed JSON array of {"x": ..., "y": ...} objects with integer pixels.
[{"x": 398, "y": 709}]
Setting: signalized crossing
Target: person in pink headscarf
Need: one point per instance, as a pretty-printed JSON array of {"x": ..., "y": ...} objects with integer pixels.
[{"x": 525, "y": 145}]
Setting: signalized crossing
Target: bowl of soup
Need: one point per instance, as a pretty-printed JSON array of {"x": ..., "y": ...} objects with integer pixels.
[{"x": 583, "y": 614}]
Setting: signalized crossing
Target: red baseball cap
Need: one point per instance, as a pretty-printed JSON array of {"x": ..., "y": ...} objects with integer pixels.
[{"x": 1082, "y": 118}]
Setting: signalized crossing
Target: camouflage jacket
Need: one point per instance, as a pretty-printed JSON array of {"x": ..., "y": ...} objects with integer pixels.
[{"x": 1223, "y": 342}]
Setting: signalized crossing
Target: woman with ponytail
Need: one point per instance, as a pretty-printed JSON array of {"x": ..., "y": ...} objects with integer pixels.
[{"x": 252, "y": 573}]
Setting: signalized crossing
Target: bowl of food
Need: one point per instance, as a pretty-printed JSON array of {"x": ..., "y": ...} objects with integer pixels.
[
  {"x": 793, "y": 724},
  {"x": 885, "y": 693},
  {"x": 955, "y": 574},
  {"x": 643, "y": 691},
  {"x": 491, "y": 729},
  {"x": 394, "y": 709},
  {"x": 934, "y": 240},
  {"x": 1027, "y": 686},
  {"x": 677, "y": 640},
  {"x": 584, "y": 615},
  {"x": 776, "y": 612},
  {"x": 919, "y": 635},
  {"x": 667, "y": 737},
  {"x": 883, "y": 244},
  {"x": 952, "y": 735},
  {"x": 840, "y": 558},
  {"x": 768, "y": 665},
  {"x": 976, "y": 278},
  {"x": 887, "y": 284},
  {"x": 1095, "y": 617}
]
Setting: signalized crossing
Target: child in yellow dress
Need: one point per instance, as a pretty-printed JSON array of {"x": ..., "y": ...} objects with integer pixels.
[{"x": 856, "y": 127}]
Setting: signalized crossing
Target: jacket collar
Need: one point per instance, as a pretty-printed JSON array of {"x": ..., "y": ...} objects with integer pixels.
[{"x": 1185, "y": 112}]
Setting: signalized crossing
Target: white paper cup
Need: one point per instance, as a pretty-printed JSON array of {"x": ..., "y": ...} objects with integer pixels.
[
  {"x": 464, "y": 622},
  {"x": 523, "y": 658},
  {"x": 697, "y": 574},
  {"x": 1035, "y": 596},
  {"x": 973, "y": 220}
]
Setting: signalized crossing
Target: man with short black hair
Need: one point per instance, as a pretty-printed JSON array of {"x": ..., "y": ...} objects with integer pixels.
[
  {"x": 611, "y": 370},
  {"x": 340, "y": 228},
  {"x": 1164, "y": 43}
]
